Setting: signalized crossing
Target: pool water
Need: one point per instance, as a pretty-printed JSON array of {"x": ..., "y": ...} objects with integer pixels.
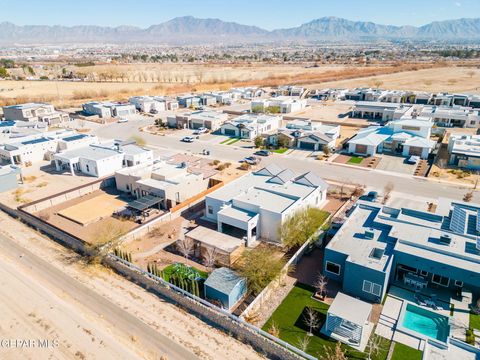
[{"x": 426, "y": 322}]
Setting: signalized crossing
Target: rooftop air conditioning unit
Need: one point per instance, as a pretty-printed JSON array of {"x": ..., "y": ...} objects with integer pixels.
[{"x": 445, "y": 239}]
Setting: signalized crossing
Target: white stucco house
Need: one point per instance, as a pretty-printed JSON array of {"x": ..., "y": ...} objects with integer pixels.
[
  {"x": 248, "y": 126},
  {"x": 404, "y": 137},
  {"x": 255, "y": 205}
]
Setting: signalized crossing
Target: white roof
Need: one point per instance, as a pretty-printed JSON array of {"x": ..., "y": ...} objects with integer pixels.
[{"x": 350, "y": 309}]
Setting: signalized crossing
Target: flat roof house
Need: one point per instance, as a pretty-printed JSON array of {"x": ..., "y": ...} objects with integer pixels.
[
  {"x": 376, "y": 110},
  {"x": 188, "y": 101},
  {"x": 211, "y": 120},
  {"x": 37, "y": 112},
  {"x": 173, "y": 183},
  {"x": 108, "y": 109},
  {"x": 248, "y": 126},
  {"x": 405, "y": 136},
  {"x": 101, "y": 160},
  {"x": 148, "y": 103},
  {"x": 32, "y": 148},
  {"x": 255, "y": 205},
  {"x": 378, "y": 246},
  {"x": 225, "y": 287},
  {"x": 464, "y": 151},
  {"x": 285, "y": 104},
  {"x": 456, "y": 116}
]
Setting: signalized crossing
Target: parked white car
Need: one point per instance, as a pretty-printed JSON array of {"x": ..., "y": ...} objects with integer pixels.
[
  {"x": 188, "y": 139},
  {"x": 200, "y": 130}
]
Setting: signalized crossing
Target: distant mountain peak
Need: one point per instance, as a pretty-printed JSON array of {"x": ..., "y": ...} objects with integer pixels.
[{"x": 191, "y": 30}]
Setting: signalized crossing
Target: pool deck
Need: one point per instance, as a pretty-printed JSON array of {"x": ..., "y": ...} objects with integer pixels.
[{"x": 388, "y": 322}]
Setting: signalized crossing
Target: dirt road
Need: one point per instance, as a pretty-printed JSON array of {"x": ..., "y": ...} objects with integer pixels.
[{"x": 80, "y": 312}]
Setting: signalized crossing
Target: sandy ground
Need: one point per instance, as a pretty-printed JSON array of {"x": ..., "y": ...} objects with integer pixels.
[
  {"x": 451, "y": 79},
  {"x": 35, "y": 305}
]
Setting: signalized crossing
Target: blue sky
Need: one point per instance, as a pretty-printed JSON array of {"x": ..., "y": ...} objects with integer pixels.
[{"x": 268, "y": 14}]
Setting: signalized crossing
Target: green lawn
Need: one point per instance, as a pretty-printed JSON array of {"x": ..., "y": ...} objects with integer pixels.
[
  {"x": 403, "y": 352},
  {"x": 226, "y": 140},
  {"x": 281, "y": 150},
  {"x": 289, "y": 319},
  {"x": 233, "y": 141},
  {"x": 355, "y": 160},
  {"x": 474, "y": 321}
]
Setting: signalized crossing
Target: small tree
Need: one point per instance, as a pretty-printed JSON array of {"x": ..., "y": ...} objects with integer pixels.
[
  {"x": 374, "y": 346},
  {"x": 259, "y": 268},
  {"x": 257, "y": 109},
  {"x": 104, "y": 240},
  {"x": 303, "y": 342},
  {"x": 310, "y": 318},
  {"x": 468, "y": 196},
  {"x": 258, "y": 141},
  {"x": 139, "y": 140},
  {"x": 274, "y": 330},
  {"x": 282, "y": 142},
  {"x": 321, "y": 284},
  {"x": 377, "y": 83},
  {"x": 210, "y": 257},
  {"x": 333, "y": 354},
  {"x": 387, "y": 192},
  {"x": 471, "y": 73},
  {"x": 299, "y": 227},
  {"x": 3, "y": 73},
  {"x": 185, "y": 247}
]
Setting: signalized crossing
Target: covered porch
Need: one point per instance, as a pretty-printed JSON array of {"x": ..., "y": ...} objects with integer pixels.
[
  {"x": 348, "y": 321},
  {"x": 238, "y": 223}
]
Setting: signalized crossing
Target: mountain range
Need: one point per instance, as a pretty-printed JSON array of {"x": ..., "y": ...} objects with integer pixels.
[{"x": 190, "y": 30}]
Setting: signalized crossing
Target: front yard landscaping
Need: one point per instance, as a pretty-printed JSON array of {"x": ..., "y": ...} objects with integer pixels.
[
  {"x": 474, "y": 321},
  {"x": 288, "y": 318},
  {"x": 355, "y": 160},
  {"x": 402, "y": 352},
  {"x": 230, "y": 141},
  {"x": 281, "y": 150}
]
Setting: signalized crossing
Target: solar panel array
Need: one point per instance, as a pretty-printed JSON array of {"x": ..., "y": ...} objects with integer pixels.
[{"x": 459, "y": 220}]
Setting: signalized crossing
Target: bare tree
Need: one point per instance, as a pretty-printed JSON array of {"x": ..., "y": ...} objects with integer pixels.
[
  {"x": 303, "y": 342},
  {"x": 210, "y": 257},
  {"x": 321, "y": 284},
  {"x": 185, "y": 246},
  {"x": 374, "y": 346},
  {"x": 333, "y": 354},
  {"x": 468, "y": 196},
  {"x": 471, "y": 73},
  {"x": 377, "y": 83},
  {"x": 387, "y": 192},
  {"x": 311, "y": 320},
  {"x": 274, "y": 330}
]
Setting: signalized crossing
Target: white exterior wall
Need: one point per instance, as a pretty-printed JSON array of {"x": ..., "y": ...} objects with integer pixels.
[
  {"x": 370, "y": 149},
  {"x": 424, "y": 155},
  {"x": 101, "y": 168}
]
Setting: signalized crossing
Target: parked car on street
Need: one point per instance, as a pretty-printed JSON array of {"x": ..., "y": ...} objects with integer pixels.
[
  {"x": 122, "y": 120},
  {"x": 200, "y": 130},
  {"x": 262, "y": 153},
  {"x": 251, "y": 160},
  {"x": 187, "y": 139}
]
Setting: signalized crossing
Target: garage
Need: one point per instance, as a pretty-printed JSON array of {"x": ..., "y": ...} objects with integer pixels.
[
  {"x": 415, "y": 150},
  {"x": 361, "y": 149},
  {"x": 230, "y": 132},
  {"x": 196, "y": 125},
  {"x": 306, "y": 145}
]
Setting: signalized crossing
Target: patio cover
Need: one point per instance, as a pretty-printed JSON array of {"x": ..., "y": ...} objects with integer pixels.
[
  {"x": 350, "y": 309},
  {"x": 145, "y": 202}
]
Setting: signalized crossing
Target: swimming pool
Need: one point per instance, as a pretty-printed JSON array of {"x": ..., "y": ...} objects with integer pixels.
[{"x": 426, "y": 322}]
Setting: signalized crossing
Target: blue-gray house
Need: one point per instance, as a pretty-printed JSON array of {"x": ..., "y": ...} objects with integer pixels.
[
  {"x": 378, "y": 246},
  {"x": 225, "y": 286}
]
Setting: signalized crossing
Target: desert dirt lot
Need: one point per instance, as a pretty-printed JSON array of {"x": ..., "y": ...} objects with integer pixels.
[
  {"x": 93, "y": 313},
  {"x": 451, "y": 79}
]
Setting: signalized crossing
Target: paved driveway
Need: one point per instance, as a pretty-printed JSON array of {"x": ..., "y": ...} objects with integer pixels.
[{"x": 395, "y": 164}]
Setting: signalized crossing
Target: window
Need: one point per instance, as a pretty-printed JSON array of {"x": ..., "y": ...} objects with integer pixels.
[
  {"x": 210, "y": 209},
  {"x": 128, "y": 187},
  {"x": 458, "y": 283},
  {"x": 423, "y": 273},
  {"x": 372, "y": 288},
  {"x": 332, "y": 268},
  {"x": 440, "y": 280}
]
